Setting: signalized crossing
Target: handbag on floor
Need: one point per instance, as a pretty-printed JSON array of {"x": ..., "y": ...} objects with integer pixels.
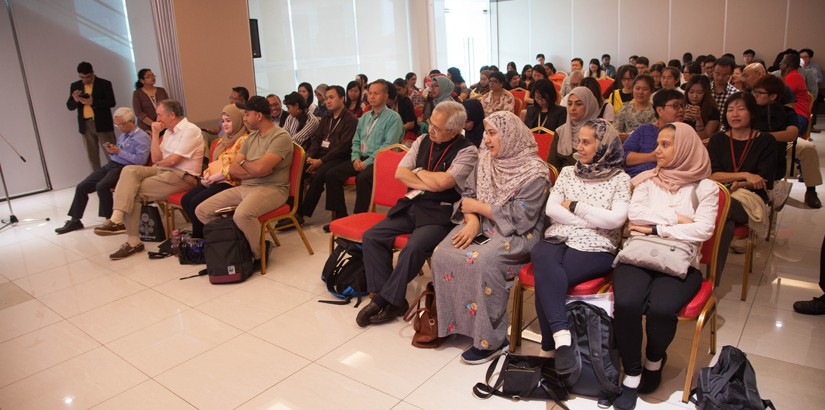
[
  {"x": 669, "y": 256},
  {"x": 150, "y": 225},
  {"x": 523, "y": 378},
  {"x": 344, "y": 273},
  {"x": 425, "y": 320}
]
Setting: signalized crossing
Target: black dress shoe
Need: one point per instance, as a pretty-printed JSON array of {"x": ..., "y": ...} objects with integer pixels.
[
  {"x": 812, "y": 200},
  {"x": 364, "y": 317},
  {"x": 390, "y": 313},
  {"x": 71, "y": 225},
  {"x": 651, "y": 379}
]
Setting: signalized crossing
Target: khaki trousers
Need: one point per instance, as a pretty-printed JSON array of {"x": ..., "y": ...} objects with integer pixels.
[
  {"x": 94, "y": 140},
  {"x": 251, "y": 202},
  {"x": 139, "y": 184},
  {"x": 808, "y": 161}
]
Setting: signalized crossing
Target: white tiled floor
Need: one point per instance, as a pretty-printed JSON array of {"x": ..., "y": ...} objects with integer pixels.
[{"x": 78, "y": 330}]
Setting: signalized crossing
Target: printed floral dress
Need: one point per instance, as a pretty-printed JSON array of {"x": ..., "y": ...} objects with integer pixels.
[{"x": 472, "y": 285}]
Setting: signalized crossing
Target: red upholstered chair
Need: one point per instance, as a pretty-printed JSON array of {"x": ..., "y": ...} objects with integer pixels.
[
  {"x": 605, "y": 83},
  {"x": 270, "y": 219},
  {"x": 386, "y": 190},
  {"x": 703, "y": 306},
  {"x": 544, "y": 139},
  {"x": 517, "y": 104},
  {"x": 172, "y": 203},
  {"x": 519, "y": 93}
]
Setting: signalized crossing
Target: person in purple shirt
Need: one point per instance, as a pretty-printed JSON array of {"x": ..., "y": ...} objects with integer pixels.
[
  {"x": 132, "y": 149},
  {"x": 669, "y": 105}
]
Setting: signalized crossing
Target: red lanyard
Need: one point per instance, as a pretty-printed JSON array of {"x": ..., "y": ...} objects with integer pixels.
[
  {"x": 442, "y": 154},
  {"x": 742, "y": 156}
]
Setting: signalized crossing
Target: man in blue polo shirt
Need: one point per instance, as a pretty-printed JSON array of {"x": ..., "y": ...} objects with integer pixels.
[{"x": 132, "y": 149}]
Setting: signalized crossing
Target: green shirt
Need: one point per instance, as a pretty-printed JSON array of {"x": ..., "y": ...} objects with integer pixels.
[
  {"x": 375, "y": 132},
  {"x": 276, "y": 141}
]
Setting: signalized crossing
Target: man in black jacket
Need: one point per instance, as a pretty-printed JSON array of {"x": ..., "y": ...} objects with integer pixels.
[{"x": 93, "y": 99}]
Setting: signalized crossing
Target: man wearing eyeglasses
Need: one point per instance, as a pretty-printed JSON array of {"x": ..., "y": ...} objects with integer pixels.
[
  {"x": 721, "y": 88},
  {"x": 93, "y": 99},
  {"x": 435, "y": 167},
  {"x": 132, "y": 148},
  {"x": 639, "y": 147}
]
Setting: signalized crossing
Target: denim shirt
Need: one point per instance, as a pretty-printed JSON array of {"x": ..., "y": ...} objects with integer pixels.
[{"x": 134, "y": 148}]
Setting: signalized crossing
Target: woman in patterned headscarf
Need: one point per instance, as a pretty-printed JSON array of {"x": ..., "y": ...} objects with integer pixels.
[
  {"x": 499, "y": 221},
  {"x": 587, "y": 206},
  {"x": 582, "y": 106}
]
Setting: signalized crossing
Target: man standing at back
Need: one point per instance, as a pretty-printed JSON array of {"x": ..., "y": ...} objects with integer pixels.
[
  {"x": 177, "y": 163},
  {"x": 262, "y": 165},
  {"x": 435, "y": 166},
  {"x": 376, "y": 129},
  {"x": 93, "y": 99}
]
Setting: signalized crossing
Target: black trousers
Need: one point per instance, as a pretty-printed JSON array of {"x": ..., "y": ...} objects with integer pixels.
[
  {"x": 391, "y": 283},
  {"x": 557, "y": 267},
  {"x": 101, "y": 180},
  {"x": 335, "y": 178},
  {"x": 317, "y": 181},
  {"x": 736, "y": 216},
  {"x": 638, "y": 292},
  {"x": 193, "y": 198}
]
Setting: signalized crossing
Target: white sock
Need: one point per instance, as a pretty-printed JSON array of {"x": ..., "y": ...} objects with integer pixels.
[
  {"x": 562, "y": 338},
  {"x": 117, "y": 217},
  {"x": 547, "y": 353},
  {"x": 653, "y": 366},
  {"x": 632, "y": 381}
]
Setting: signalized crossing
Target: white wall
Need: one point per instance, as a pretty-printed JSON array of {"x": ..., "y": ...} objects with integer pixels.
[{"x": 658, "y": 29}]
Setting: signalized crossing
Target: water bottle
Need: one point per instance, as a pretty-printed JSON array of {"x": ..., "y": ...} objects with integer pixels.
[{"x": 175, "y": 238}]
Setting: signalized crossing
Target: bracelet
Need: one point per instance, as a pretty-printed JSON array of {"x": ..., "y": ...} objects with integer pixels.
[
  {"x": 654, "y": 231},
  {"x": 572, "y": 207}
]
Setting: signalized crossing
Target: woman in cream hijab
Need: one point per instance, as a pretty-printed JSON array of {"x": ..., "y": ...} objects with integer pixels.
[
  {"x": 582, "y": 106},
  {"x": 216, "y": 177}
]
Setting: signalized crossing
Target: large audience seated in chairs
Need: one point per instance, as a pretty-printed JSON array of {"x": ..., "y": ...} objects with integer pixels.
[{"x": 480, "y": 200}]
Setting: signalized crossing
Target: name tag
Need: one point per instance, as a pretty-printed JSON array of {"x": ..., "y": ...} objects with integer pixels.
[
  {"x": 325, "y": 144},
  {"x": 414, "y": 193}
]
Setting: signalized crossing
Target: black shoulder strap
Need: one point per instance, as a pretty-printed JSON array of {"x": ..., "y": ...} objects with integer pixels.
[{"x": 594, "y": 339}]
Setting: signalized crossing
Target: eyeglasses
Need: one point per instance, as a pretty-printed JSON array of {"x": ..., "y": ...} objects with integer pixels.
[
  {"x": 121, "y": 125},
  {"x": 627, "y": 78},
  {"x": 434, "y": 129},
  {"x": 676, "y": 106}
]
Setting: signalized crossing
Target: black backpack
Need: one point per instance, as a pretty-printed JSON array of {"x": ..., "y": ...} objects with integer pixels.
[
  {"x": 730, "y": 384},
  {"x": 592, "y": 331},
  {"x": 228, "y": 255},
  {"x": 344, "y": 272}
]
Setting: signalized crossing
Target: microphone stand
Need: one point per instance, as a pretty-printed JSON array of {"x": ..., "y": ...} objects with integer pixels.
[{"x": 12, "y": 218}]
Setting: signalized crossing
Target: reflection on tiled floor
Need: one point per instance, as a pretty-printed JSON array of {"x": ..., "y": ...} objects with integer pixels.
[{"x": 79, "y": 331}]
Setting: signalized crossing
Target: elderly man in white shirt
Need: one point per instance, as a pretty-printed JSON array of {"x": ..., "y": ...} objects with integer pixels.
[{"x": 177, "y": 163}]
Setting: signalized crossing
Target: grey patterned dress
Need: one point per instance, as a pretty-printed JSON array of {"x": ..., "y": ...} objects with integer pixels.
[{"x": 472, "y": 285}]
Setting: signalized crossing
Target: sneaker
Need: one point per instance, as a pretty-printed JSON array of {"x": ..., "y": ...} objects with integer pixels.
[
  {"x": 110, "y": 228},
  {"x": 474, "y": 355},
  {"x": 810, "y": 307},
  {"x": 71, "y": 225},
  {"x": 781, "y": 190},
  {"x": 126, "y": 250},
  {"x": 812, "y": 200},
  {"x": 739, "y": 246}
]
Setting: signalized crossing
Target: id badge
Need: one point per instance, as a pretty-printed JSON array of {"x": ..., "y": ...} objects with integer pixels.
[
  {"x": 324, "y": 144},
  {"x": 414, "y": 193}
]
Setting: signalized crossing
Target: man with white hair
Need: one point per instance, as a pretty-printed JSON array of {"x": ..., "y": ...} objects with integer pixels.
[
  {"x": 433, "y": 169},
  {"x": 132, "y": 148}
]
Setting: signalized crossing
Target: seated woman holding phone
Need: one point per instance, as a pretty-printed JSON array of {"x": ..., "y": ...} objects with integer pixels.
[
  {"x": 216, "y": 177},
  {"x": 500, "y": 219}
]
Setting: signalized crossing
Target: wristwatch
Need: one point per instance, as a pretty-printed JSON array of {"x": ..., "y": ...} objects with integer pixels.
[{"x": 415, "y": 171}]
